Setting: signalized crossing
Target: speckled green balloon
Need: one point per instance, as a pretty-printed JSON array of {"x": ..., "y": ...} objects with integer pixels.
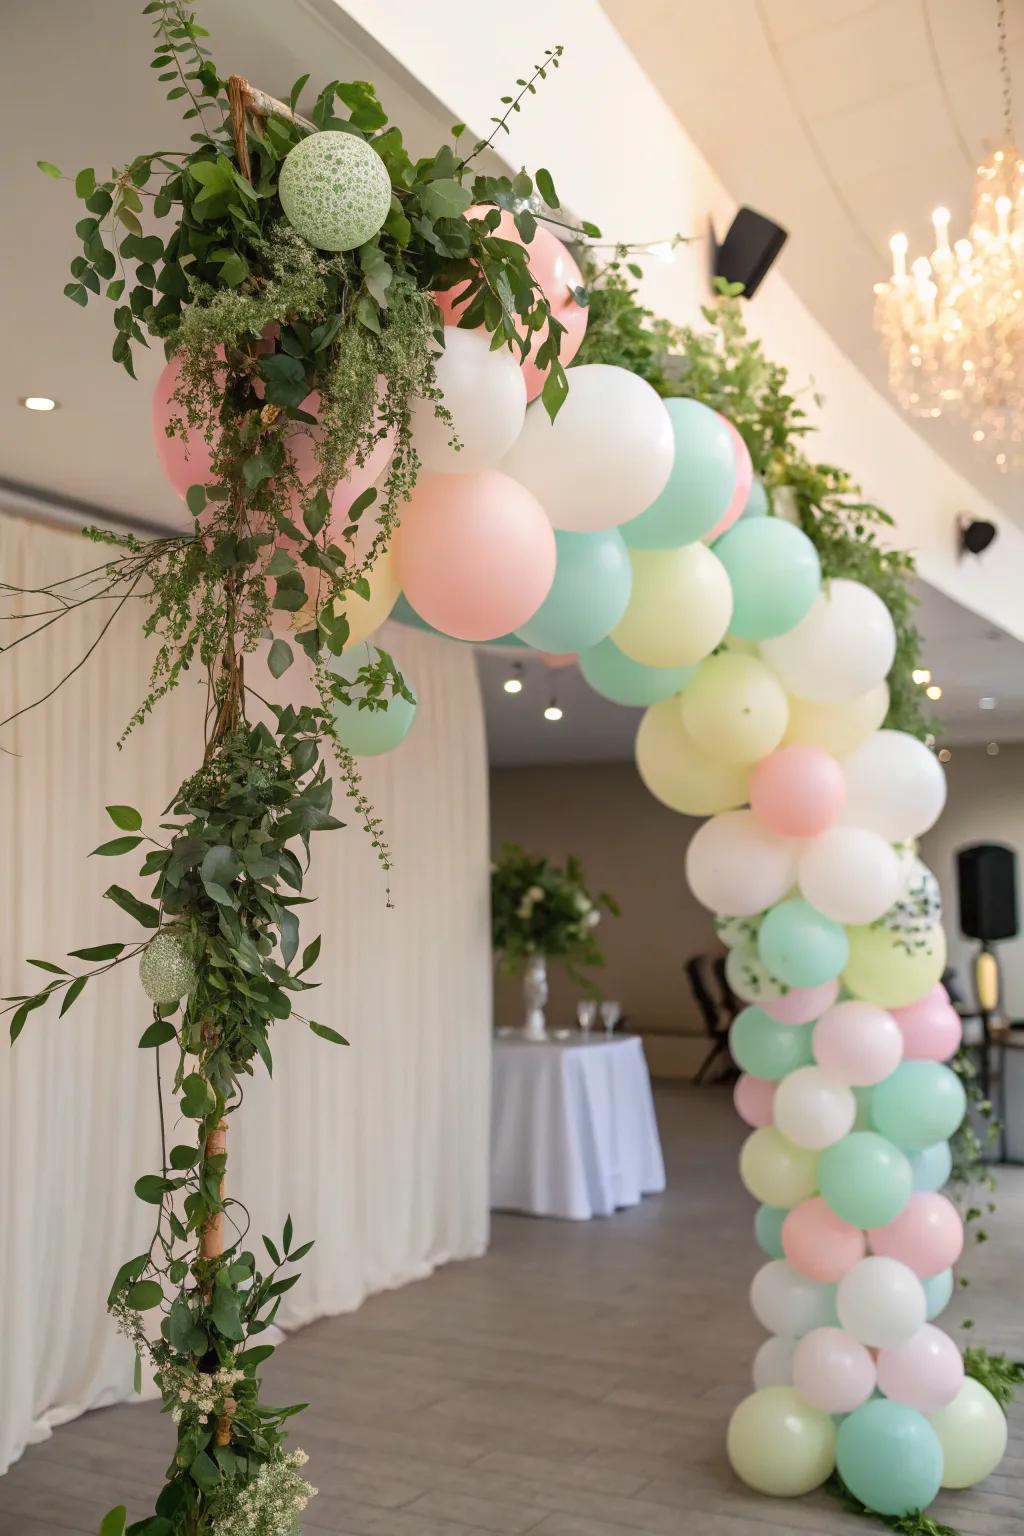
[
  {"x": 165, "y": 970},
  {"x": 335, "y": 190}
]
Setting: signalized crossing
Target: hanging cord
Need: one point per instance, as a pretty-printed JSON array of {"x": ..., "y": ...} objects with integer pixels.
[{"x": 1006, "y": 78}]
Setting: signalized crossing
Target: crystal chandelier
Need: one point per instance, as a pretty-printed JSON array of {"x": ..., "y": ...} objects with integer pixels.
[{"x": 953, "y": 325}]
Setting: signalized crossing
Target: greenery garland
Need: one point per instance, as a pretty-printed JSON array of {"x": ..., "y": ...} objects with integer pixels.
[{"x": 258, "y": 320}]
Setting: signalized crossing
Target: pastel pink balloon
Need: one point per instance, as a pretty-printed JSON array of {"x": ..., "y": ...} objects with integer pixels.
[
  {"x": 818, "y": 1244},
  {"x": 801, "y": 1005},
  {"x": 925, "y": 1371},
  {"x": 302, "y": 445},
  {"x": 927, "y": 1236},
  {"x": 753, "y": 1098},
  {"x": 931, "y": 1027},
  {"x": 857, "y": 1043},
  {"x": 556, "y": 274},
  {"x": 797, "y": 791},
  {"x": 832, "y": 1370},
  {"x": 741, "y": 489},
  {"x": 475, "y": 553},
  {"x": 184, "y": 460}
]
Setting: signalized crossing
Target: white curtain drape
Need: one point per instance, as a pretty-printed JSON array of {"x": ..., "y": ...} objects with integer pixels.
[{"x": 379, "y": 1151}]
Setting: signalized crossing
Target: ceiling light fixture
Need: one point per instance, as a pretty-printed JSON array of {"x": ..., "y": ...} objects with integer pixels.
[
  {"x": 987, "y": 702},
  {"x": 552, "y": 712},
  {"x": 514, "y": 682},
  {"x": 38, "y": 403},
  {"x": 993, "y": 749},
  {"x": 921, "y": 675},
  {"x": 934, "y": 692},
  {"x": 953, "y": 325}
]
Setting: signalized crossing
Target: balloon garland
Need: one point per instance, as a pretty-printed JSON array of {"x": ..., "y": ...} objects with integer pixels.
[{"x": 632, "y": 532}]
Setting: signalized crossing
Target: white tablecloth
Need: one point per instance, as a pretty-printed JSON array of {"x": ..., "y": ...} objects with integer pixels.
[{"x": 573, "y": 1131}]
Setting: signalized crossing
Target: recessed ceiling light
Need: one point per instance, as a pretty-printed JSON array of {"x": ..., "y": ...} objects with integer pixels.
[
  {"x": 987, "y": 702},
  {"x": 934, "y": 691},
  {"x": 38, "y": 403},
  {"x": 514, "y": 682},
  {"x": 552, "y": 712},
  {"x": 921, "y": 675},
  {"x": 993, "y": 749}
]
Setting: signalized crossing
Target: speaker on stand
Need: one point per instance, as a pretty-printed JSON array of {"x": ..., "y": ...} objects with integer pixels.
[{"x": 987, "y": 885}]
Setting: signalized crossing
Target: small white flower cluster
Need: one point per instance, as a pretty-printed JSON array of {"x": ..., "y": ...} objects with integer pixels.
[
  {"x": 270, "y": 1503},
  {"x": 590, "y": 916},
  {"x": 528, "y": 902},
  {"x": 127, "y": 1321},
  {"x": 196, "y": 1393}
]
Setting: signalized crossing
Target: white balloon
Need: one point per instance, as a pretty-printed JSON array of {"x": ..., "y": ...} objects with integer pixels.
[
  {"x": 736, "y": 867},
  {"x": 486, "y": 395},
  {"x": 606, "y": 456},
  {"x": 812, "y": 1109},
  {"x": 850, "y": 874},
  {"x": 773, "y": 1363},
  {"x": 844, "y": 647},
  {"x": 881, "y": 1302},
  {"x": 894, "y": 786},
  {"x": 786, "y": 1302}
]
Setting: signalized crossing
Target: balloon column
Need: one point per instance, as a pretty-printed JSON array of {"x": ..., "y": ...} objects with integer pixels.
[{"x": 632, "y": 532}]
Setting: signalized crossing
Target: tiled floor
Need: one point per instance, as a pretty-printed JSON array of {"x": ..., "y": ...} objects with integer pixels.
[{"x": 575, "y": 1382}]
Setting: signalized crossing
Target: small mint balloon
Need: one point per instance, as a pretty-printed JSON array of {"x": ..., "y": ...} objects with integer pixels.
[
  {"x": 766, "y": 1049},
  {"x": 801, "y": 946},
  {"x": 616, "y": 676},
  {"x": 889, "y": 1457},
  {"x": 700, "y": 486},
  {"x": 756, "y": 504},
  {"x": 365, "y": 731},
  {"x": 768, "y": 1229},
  {"x": 593, "y": 580},
  {"x": 864, "y": 1179},
  {"x": 775, "y": 575},
  {"x": 335, "y": 190},
  {"x": 922, "y": 1102},
  {"x": 938, "y": 1292},
  {"x": 932, "y": 1167}
]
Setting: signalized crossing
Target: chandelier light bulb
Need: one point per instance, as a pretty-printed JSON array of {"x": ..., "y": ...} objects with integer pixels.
[
  {"x": 898, "y": 245},
  {"x": 933, "y": 691},
  {"x": 921, "y": 675}
]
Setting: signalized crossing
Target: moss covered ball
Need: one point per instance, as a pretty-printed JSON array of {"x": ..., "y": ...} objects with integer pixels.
[
  {"x": 335, "y": 190},
  {"x": 166, "y": 970}
]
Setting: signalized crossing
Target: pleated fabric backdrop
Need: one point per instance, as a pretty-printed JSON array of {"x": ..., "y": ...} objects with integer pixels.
[{"x": 379, "y": 1151}]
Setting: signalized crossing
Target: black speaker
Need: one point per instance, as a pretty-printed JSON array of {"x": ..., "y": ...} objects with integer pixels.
[
  {"x": 748, "y": 250},
  {"x": 987, "y": 878}
]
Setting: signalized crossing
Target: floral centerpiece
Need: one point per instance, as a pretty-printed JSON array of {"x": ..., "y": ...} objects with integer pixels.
[{"x": 540, "y": 912}]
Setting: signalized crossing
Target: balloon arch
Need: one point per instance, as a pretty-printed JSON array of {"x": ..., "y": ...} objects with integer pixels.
[{"x": 632, "y": 532}]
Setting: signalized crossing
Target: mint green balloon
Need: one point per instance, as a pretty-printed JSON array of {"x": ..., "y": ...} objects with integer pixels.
[
  {"x": 766, "y": 1049},
  {"x": 368, "y": 732},
  {"x": 700, "y": 486},
  {"x": 938, "y": 1292},
  {"x": 593, "y": 580},
  {"x": 890, "y": 1457},
  {"x": 922, "y": 1102},
  {"x": 404, "y": 613},
  {"x": 775, "y": 574},
  {"x": 865, "y": 1179},
  {"x": 616, "y": 676},
  {"x": 757, "y": 502},
  {"x": 768, "y": 1229},
  {"x": 800, "y": 946}
]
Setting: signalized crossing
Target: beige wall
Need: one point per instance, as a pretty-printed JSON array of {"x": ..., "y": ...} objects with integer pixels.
[
  {"x": 985, "y": 805},
  {"x": 634, "y": 848}
]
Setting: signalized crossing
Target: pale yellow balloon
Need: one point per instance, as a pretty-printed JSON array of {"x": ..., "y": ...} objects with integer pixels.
[
  {"x": 838, "y": 728},
  {"x": 891, "y": 969},
  {"x": 677, "y": 773},
  {"x": 735, "y": 708},
  {"x": 365, "y": 615},
  {"x": 775, "y": 1171},
  {"x": 679, "y": 608},
  {"x": 778, "y": 1444},
  {"x": 972, "y": 1431}
]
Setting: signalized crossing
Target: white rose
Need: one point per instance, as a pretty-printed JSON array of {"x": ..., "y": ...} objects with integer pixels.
[
  {"x": 535, "y": 893},
  {"x": 592, "y": 919}
]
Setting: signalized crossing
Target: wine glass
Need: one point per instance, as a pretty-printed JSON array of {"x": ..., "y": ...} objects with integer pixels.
[
  {"x": 611, "y": 1013},
  {"x": 586, "y": 1014}
]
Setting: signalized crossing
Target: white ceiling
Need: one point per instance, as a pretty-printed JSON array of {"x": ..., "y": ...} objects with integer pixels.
[
  {"x": 845, "y": 120},
  {"x": 968, "y": 657}
]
